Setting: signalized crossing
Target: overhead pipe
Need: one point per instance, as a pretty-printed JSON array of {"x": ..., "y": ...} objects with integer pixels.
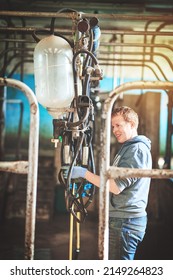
[
  {"x": 88, "y": 15},
  {"x": 21, "y": 167},
  {"x": 168, "y": 60},
  {"x": 66, "y": 31},
  {"x": 130, "y": 65},
  {"x": 136, "y": 60},
  {"x": 4, "y": 68},
  {"x": 7, "y": 50},
  {"x": 139, "y": 45},
  {"x": 105, "y": 171}
]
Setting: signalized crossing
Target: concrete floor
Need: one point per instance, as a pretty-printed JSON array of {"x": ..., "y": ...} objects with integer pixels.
[
  {"x": 52, "y": 240},
  {"x": 52, "y": 235}
]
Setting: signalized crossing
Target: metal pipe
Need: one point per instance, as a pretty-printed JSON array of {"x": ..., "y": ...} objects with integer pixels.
[
  {"x": 32, "y": 164},
  {"x": 167, "y": 163},
  {"x": 132, "y": 65},
  {"x": 119, "y": 172},
  {"x": 137, "y": 60},
  {"x": 138, "y": 53},
  {"x": 26, "y": 50},
  {"x": 139, "y": 45},
  {"x": 19, "y": 167},
  {"x": 104, "y": 31},
  {"x": 2, "y": 120},
  {"x": 105, "y": 155},
  {"x": 87, "y": 15}
]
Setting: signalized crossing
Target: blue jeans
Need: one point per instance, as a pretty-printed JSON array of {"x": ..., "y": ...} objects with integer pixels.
[{"x": 125, "y": 234}]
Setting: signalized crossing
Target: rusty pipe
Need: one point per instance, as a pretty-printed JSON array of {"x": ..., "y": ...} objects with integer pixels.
[
  {"x": 32, "y": 164},
  {"x": 19, "y": 167},
  {"x": 167, "y": 18},
  {"x": 119, "y": 172}
]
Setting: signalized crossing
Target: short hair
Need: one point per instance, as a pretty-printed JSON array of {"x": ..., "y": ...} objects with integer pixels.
[{"x": 128, "y": 114}]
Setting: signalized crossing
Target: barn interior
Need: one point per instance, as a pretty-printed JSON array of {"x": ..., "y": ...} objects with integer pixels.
[{"x": 133, "y": 44}]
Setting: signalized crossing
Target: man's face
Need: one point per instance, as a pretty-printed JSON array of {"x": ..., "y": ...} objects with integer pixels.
[{"x": 122, "y": 130}]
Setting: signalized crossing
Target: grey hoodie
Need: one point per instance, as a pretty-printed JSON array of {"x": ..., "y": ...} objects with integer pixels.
[{"x": 133, "y": 197}]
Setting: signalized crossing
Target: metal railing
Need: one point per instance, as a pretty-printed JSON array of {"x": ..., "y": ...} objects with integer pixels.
[
  {"x": 29, "y": 167},
  {"x": 107, "y": 171}
]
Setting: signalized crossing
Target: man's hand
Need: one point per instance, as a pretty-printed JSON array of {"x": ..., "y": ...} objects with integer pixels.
[{"x": 78, "y": 172}]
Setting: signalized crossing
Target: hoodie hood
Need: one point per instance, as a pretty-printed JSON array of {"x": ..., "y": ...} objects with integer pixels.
[{"x": 139, "y": 138}]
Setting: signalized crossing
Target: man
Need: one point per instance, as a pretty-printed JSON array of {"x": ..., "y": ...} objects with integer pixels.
[{"x": 128, "y": 196}]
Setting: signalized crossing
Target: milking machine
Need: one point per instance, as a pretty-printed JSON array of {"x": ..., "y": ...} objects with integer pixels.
[{"x": 66, "y": 70}]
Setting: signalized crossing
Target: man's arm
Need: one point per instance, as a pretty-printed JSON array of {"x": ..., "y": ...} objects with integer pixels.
[
  {"x": 95, "y": 180},
  {"x": 81, "y": 172}
]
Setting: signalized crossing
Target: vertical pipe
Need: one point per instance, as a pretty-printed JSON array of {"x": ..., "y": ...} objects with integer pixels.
[
  {"x": 71, "y": 237},
  {"x": 104, "y": 187},
  {"x": 71, "y": 229},
  {"x": 169, "y": 131},
  {"x": 32, "y": 163},
  {"x": 77, "y": 236},
  {"x": 32, "y": 181},
  {"x": 2, "y": 120}
]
